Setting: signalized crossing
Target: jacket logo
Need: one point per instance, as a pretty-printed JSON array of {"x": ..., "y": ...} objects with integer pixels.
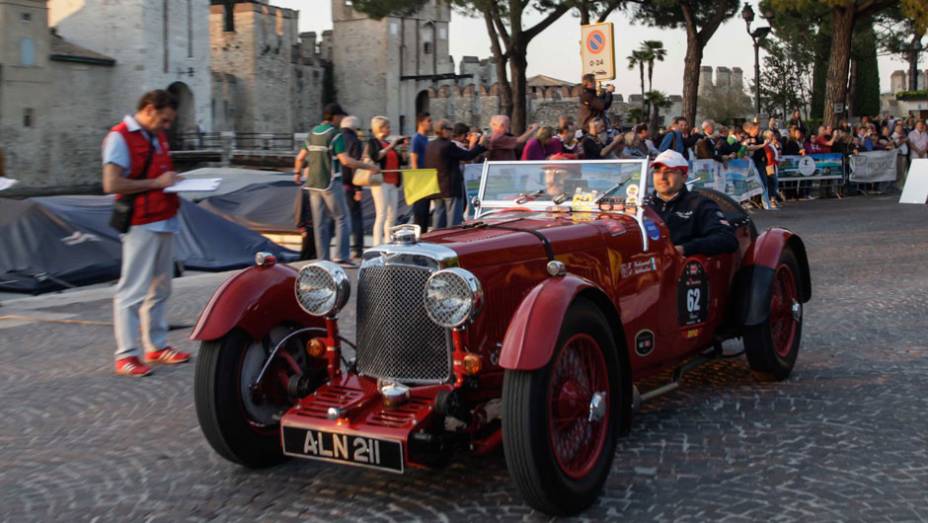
[
  {"x": 79, "y": 237},
  {"x": 684, "y": 214}
]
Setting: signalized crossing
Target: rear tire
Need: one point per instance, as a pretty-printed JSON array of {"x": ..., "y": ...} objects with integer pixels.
[
  {"x": 238, "y": 428},
  {"x": 772, "y": 346},
  {"x": 557, "y": 456}
]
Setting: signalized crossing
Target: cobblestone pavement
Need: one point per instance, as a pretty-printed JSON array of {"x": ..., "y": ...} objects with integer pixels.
[{"x": 845, "y": 438}]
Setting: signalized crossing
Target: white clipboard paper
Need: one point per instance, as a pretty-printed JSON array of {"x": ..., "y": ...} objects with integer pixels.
[{"x": 195, "y": 185}]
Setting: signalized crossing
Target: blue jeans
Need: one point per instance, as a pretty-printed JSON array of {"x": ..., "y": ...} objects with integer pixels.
[
  {"x": 327, "y": 205},
  {"x": 771, "y": 189},
  {"x": 448, "y": 207}
]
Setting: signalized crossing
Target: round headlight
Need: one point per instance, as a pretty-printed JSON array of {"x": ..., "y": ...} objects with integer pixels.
[
  {"x": 322, "y": 288},
  {"x": 452, "y": 297}
]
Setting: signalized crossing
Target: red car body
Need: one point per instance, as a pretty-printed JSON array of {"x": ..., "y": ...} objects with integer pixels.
[{"x": 623, "y": 264}]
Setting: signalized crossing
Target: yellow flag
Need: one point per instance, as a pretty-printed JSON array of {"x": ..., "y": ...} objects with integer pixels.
[{"x": 419, "y": 184}]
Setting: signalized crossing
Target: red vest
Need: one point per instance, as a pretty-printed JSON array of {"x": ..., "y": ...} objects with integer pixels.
[{"x": 154, "y": 205}]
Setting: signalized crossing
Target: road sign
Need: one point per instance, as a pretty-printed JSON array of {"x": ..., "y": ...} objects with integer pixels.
[{"x": 597, "y": 50}]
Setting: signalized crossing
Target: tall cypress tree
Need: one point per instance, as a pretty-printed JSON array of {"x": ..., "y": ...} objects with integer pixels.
[{"x": 867, "y": 80}]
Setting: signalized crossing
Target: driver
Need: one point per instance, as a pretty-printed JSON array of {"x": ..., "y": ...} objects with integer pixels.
[
  {"x": 556, "y": 176},
  {"x": 697, "y": 225}
]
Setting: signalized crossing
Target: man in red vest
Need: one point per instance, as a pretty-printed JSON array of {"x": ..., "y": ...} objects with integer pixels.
[{"x": 137, "y": 165}]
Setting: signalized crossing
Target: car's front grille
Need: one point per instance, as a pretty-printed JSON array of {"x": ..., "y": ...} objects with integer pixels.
[{"x": 396, "y": 339}]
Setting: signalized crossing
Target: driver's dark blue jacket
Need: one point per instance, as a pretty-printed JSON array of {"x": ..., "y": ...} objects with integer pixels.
[{"x": 696, "y": 223}]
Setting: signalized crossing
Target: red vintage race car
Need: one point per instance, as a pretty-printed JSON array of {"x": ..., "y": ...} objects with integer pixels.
[{"x": 531, "y": 327}]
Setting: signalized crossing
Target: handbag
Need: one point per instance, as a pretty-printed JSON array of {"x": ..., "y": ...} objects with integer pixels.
[
  {"x": 121, "y": 219},
  {"x": 366, "y": 178}
]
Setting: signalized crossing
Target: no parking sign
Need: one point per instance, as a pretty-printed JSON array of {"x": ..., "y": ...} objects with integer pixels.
[{"x": 597, "y": 50}]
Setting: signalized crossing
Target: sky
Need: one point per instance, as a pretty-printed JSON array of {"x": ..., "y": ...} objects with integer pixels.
[{"x": 556, "y": 51}]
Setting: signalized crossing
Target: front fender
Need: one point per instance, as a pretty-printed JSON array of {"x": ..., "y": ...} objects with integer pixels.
[
  {"x": 758, "y": 268},
  {"x": 532, "y": 333},
  {"x": 255, "y": 300}
]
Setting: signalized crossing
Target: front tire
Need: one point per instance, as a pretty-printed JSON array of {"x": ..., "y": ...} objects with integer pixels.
[
  {"x": 772, "y": 346},
  {"x": 239, "y": 427},
  {"x": 561, "y": 422}
]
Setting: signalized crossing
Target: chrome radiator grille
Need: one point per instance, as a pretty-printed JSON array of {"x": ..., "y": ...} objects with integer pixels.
[{"x": 396, "y": 339}]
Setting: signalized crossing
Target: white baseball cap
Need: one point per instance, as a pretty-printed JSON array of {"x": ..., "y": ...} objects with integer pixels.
[{"x": 671, "y": 159}]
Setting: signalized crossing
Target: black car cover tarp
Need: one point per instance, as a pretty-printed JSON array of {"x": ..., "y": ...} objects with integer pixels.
[
  {"x": 40, "y": 251},
  {"x": 271, "y": 207},
  {"x": 50, "y": 243}
]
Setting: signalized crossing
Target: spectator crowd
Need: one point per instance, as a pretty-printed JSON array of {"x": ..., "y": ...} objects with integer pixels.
[{"x": 446, "y": 146}]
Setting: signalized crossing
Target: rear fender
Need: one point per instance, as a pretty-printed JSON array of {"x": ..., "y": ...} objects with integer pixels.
[
  {"x": 758, "y": 268},
  {"x": 254, "y": 300},
  {"x": 532, "y": 333}
]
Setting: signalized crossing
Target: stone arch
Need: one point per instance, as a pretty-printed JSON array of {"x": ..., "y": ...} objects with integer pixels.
[
  {"x": 422, "y": 101},
  {"x": 469, "y": 90},
  {"x": 495, "y": 89},
  {"x": 576, "y": 91},
  {"x": 444, "y": 91},
  {"x": 186, "y": 121}
]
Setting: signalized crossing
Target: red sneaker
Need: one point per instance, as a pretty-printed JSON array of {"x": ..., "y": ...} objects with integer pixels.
[
  {"x": 131, "y": 366},
  {"x": 168, "y": 356}
]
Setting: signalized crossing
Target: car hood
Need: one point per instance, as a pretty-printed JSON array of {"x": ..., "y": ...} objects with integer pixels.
[{"x": 521, "y": 236}]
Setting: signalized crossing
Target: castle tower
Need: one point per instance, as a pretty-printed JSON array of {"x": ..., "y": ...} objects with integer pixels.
[
  {"x": 157, "y": 44},
  {"x": 723, "y": 77},
  {"x": 705, "y": 78},
  {"x": 897, "y": 82},
  {"x": 385, "y": 67},
  {"x": 254, "y": 46},
  {"x": 25, "y": 85},
  {"x": 737, "y": 79}
]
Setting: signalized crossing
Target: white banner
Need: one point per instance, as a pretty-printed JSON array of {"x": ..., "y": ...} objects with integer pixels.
[{"x": 873, "y": 166}]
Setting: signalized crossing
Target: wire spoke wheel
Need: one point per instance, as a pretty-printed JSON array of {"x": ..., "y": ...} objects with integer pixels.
[
  {"x": 577, "y": 435},
  {"x": 773, "y": 345},
  {"x": 561, "y": 422}
]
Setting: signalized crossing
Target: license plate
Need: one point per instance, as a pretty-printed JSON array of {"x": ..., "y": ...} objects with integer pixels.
[{"x": 344, "y": 448}]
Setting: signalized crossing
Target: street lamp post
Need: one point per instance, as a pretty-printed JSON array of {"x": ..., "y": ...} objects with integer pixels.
[{"x": 757, "y": 36}]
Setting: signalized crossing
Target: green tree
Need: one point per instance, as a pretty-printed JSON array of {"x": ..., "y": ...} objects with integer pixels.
[
  {"x": 865, "y": 74},
  {"x": 509, "y": 41},
  {"x": 509, "y": 37},
  {"x": 383, "y": 8},
  {"x": 701, "y": 19},
  {"x": 899, "y": 34},
  {"x": 844, "y": 16},
  {"x": 786, "y": 81},
  {"x": 638, "y": 59},
  {"x": 724, "y": 104},
  {"x": 656, "y": 100},
  {"x": 806, "y": 34}
]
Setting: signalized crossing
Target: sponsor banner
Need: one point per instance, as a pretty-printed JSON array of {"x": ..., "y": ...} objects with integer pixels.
[
  {"x": 706, "y": 174},
  {"x": 819, "y": 166},
  {"x": 873, "y": 166},
  {"x": 742, "y": 182}
]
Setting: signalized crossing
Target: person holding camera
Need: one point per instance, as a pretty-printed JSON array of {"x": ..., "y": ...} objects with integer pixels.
[
  {"x": 137, "y": 168},
  {"x": 594, "y": 102}
]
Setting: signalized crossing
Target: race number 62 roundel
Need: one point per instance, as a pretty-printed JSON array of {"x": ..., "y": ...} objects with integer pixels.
[
  {"x": 596, "y": 41},
  {"x": 693, "y": 295}
]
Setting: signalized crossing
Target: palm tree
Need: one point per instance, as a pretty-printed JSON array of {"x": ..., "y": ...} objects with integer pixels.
[
  {"x": 638, "y": 59},
  {"x": 655, "y": 52},
  {"x": 656, "y": 100}
]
